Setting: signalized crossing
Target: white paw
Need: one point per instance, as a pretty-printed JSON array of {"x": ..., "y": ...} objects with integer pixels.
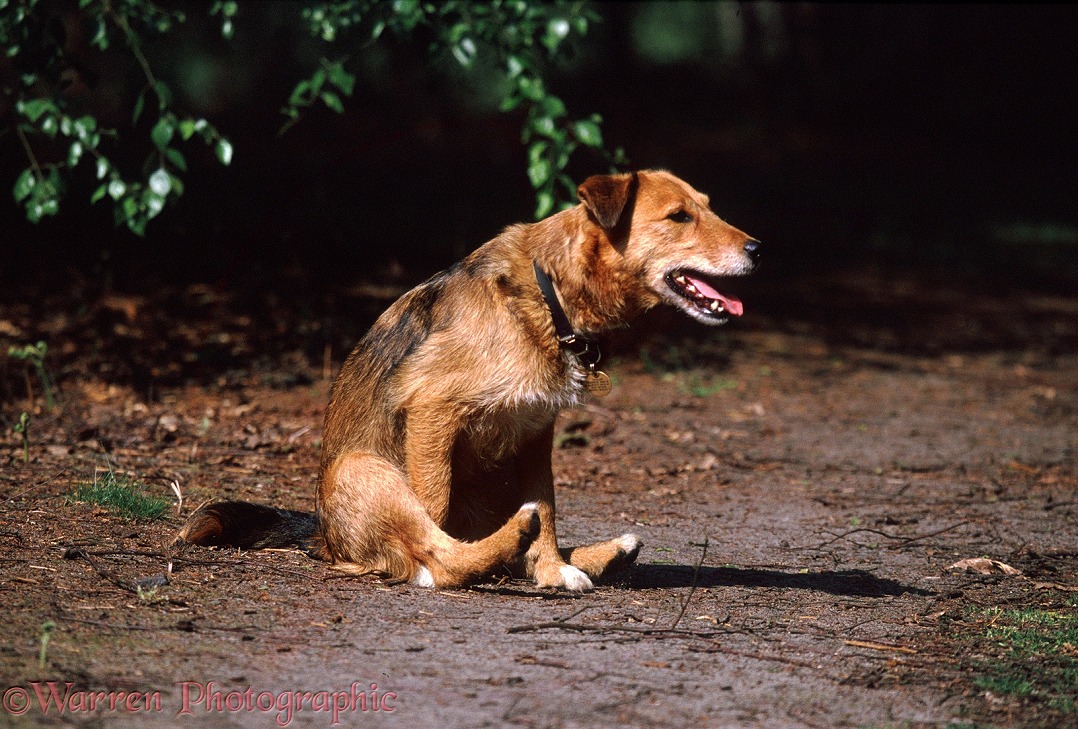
[
  {"x": 531, "y": 506},
  {"x": 630, "y": 543},
  {"x": 574, "y": 580},
  {"x": 423, "y": 578}
]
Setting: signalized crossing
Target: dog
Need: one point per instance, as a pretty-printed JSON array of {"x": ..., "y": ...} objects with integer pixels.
[{"x": 436, "y": 452}]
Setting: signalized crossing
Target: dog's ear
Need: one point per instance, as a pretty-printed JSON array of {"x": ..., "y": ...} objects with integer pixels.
[{"x": 607, "y": 196}]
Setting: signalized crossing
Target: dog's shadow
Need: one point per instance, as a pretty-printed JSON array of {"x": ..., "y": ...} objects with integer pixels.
[{"x": 849, "y": 583}]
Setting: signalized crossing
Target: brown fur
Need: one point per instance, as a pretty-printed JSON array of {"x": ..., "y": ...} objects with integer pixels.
[{"x": 436, "y": 460}]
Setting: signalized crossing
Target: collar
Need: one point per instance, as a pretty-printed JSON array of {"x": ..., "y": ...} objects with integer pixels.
[{"x": 568, "y": 338}]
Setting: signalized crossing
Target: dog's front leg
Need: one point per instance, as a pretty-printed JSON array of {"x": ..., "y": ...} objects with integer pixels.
[
  {"x": 428, "y": 445},
  {"x": 543, "y": 561}
]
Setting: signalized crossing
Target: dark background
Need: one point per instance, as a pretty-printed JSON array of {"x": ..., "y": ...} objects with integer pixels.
[{"x": 938, "y": 140}]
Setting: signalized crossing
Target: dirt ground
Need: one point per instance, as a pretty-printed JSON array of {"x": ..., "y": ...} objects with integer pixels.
[{"x": 802, "y": 481}]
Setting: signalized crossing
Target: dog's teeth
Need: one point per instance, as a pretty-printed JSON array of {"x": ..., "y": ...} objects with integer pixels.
[{"x": 716, "y": 306}]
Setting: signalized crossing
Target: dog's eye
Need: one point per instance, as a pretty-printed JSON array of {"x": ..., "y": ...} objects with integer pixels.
[{"x": 679, "y": 216}]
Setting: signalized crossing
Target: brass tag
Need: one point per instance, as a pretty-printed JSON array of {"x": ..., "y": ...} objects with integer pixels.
[{"x": 597, "y": 382}]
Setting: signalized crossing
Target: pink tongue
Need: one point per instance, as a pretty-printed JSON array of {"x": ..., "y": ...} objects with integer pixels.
[{"x": 732, "y": 305}]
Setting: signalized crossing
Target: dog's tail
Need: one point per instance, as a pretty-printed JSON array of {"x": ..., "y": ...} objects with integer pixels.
[{"x": 251, "y": 526}]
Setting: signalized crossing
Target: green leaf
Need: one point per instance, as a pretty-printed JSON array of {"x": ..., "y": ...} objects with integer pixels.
[
  {"x": 299, "y": 93},
  {"x": 332, "y": 101},
  {"x": 536, "y": 151},
  {"x": 342, "y": 79},
  {"x": 531, "y": 88},
  {"x": 24, "y": 185},
  {"x": 160, "y": 182},
  {"x": 465, "y": 52},
  {"x": 588, "y": 133},
  {"x": 50, "y": 206},
  {"x": 117, "y": 188},
  {"x": 102, "y": 167},
  {"x": 99, "y": 193},
  {"x": 140, "y": 102},
  {"x": 164, "y": 95},
  {"x": 187, "y": 128},
  {"x": 85, "y": 126},
  {"x": 74, "y": 154},
  {"x": 177, "y": 185},
  {"x": 539, "y": 172},
  {"x": 35, "y": 108},
  {"x": 162, "y": 131},
  {"x": 556, "y": 31},
  {"x": 553, "y": 107},
  {"x": 176, "y": 158},
  {"x": 510, "y": 102},
  {"x": 514, "y": 66},
  {"x": 224, "y": 151},
  {"x": 544, "y": 125},
  {"x": 544, "y": 203},
  {"x": 154, "y": 203}
]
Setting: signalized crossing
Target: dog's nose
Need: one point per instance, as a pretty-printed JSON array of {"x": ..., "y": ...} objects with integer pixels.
[{"x": 752, "y": 250}]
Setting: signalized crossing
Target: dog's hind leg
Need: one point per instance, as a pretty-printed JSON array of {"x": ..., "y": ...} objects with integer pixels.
[
  {"x": 372, "y": 521},
  {"x": 604, "y": 558}
]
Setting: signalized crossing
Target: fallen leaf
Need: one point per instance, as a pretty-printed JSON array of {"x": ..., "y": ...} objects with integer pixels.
[{"x": 983, "y": 566}]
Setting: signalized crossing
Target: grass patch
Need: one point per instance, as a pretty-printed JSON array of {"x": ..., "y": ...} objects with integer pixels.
[
  {"x": 122, "y": 494},
  {"x": 678, "y": 365},
  {"x": 1034, "y": 652}
]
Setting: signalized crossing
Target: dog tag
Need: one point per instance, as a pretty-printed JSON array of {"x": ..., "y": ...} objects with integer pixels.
[{"x": 597, "y": 382}]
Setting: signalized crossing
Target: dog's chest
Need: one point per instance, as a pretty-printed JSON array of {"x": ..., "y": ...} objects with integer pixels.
[
  {"x": 495, "y": 436},
  {"x": 497, "y": 430}
]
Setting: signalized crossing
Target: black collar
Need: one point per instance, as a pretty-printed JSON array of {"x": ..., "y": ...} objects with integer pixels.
[{"x": 578, "y": 344}]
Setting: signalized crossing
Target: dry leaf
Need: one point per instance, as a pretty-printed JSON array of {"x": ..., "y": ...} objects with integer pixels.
[{"x": 983, "y": 566}]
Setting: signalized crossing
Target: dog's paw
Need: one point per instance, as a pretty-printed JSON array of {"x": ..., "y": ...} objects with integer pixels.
[
  {"x": 574, "y": 580},
  {"x": 527, "y": 518},
  {"x": 628, "y": 548},
  {"x": 423, "y": 578},
  {"x": 566, "y": 577}
]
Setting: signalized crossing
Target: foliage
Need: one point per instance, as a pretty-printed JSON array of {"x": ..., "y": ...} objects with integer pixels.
[
  {"x": 36, "y": 48},
  {"x": 22, "y": 427},
  {"x": 1032, "y": 651},
  {"x": 34, "y": 354},
  {"x": 517, "y": 38},
  {"x": 121, "y": 494},
  {"x": 43, "y": 643}
]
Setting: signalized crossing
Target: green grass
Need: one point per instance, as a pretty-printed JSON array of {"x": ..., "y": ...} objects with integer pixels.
[
  {"x": 674, "y": 364},
  {"x": 122, "y": 494},
  {"x": 1035, "y": 652}
]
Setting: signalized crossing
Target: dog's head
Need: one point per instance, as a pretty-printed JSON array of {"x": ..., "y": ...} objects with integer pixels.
[{"x": 665, "y": 233}]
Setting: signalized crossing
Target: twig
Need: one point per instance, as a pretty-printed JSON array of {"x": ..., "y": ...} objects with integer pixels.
[
  {"x": 905, "y": 541},
  {"x": 715, "y": 648},
  {"x": 692, "y": 589},
  {"x": 28, "y": 489},
  {"x": 878, "y": 646},
  {"x": 33, "y": 164},
  {"x": 578, "y": 628},
  {"x": 75, "y": 553}
]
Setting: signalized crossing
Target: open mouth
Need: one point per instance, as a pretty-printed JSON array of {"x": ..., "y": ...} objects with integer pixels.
[{"x": 705, "y": 300}]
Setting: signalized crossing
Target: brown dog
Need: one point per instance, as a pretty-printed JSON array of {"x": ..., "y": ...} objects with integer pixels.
[{"x": 436, "y": 455}]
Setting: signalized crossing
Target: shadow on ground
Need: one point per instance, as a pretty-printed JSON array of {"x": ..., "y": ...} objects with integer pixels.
[{"x": 856, "y": 583}]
